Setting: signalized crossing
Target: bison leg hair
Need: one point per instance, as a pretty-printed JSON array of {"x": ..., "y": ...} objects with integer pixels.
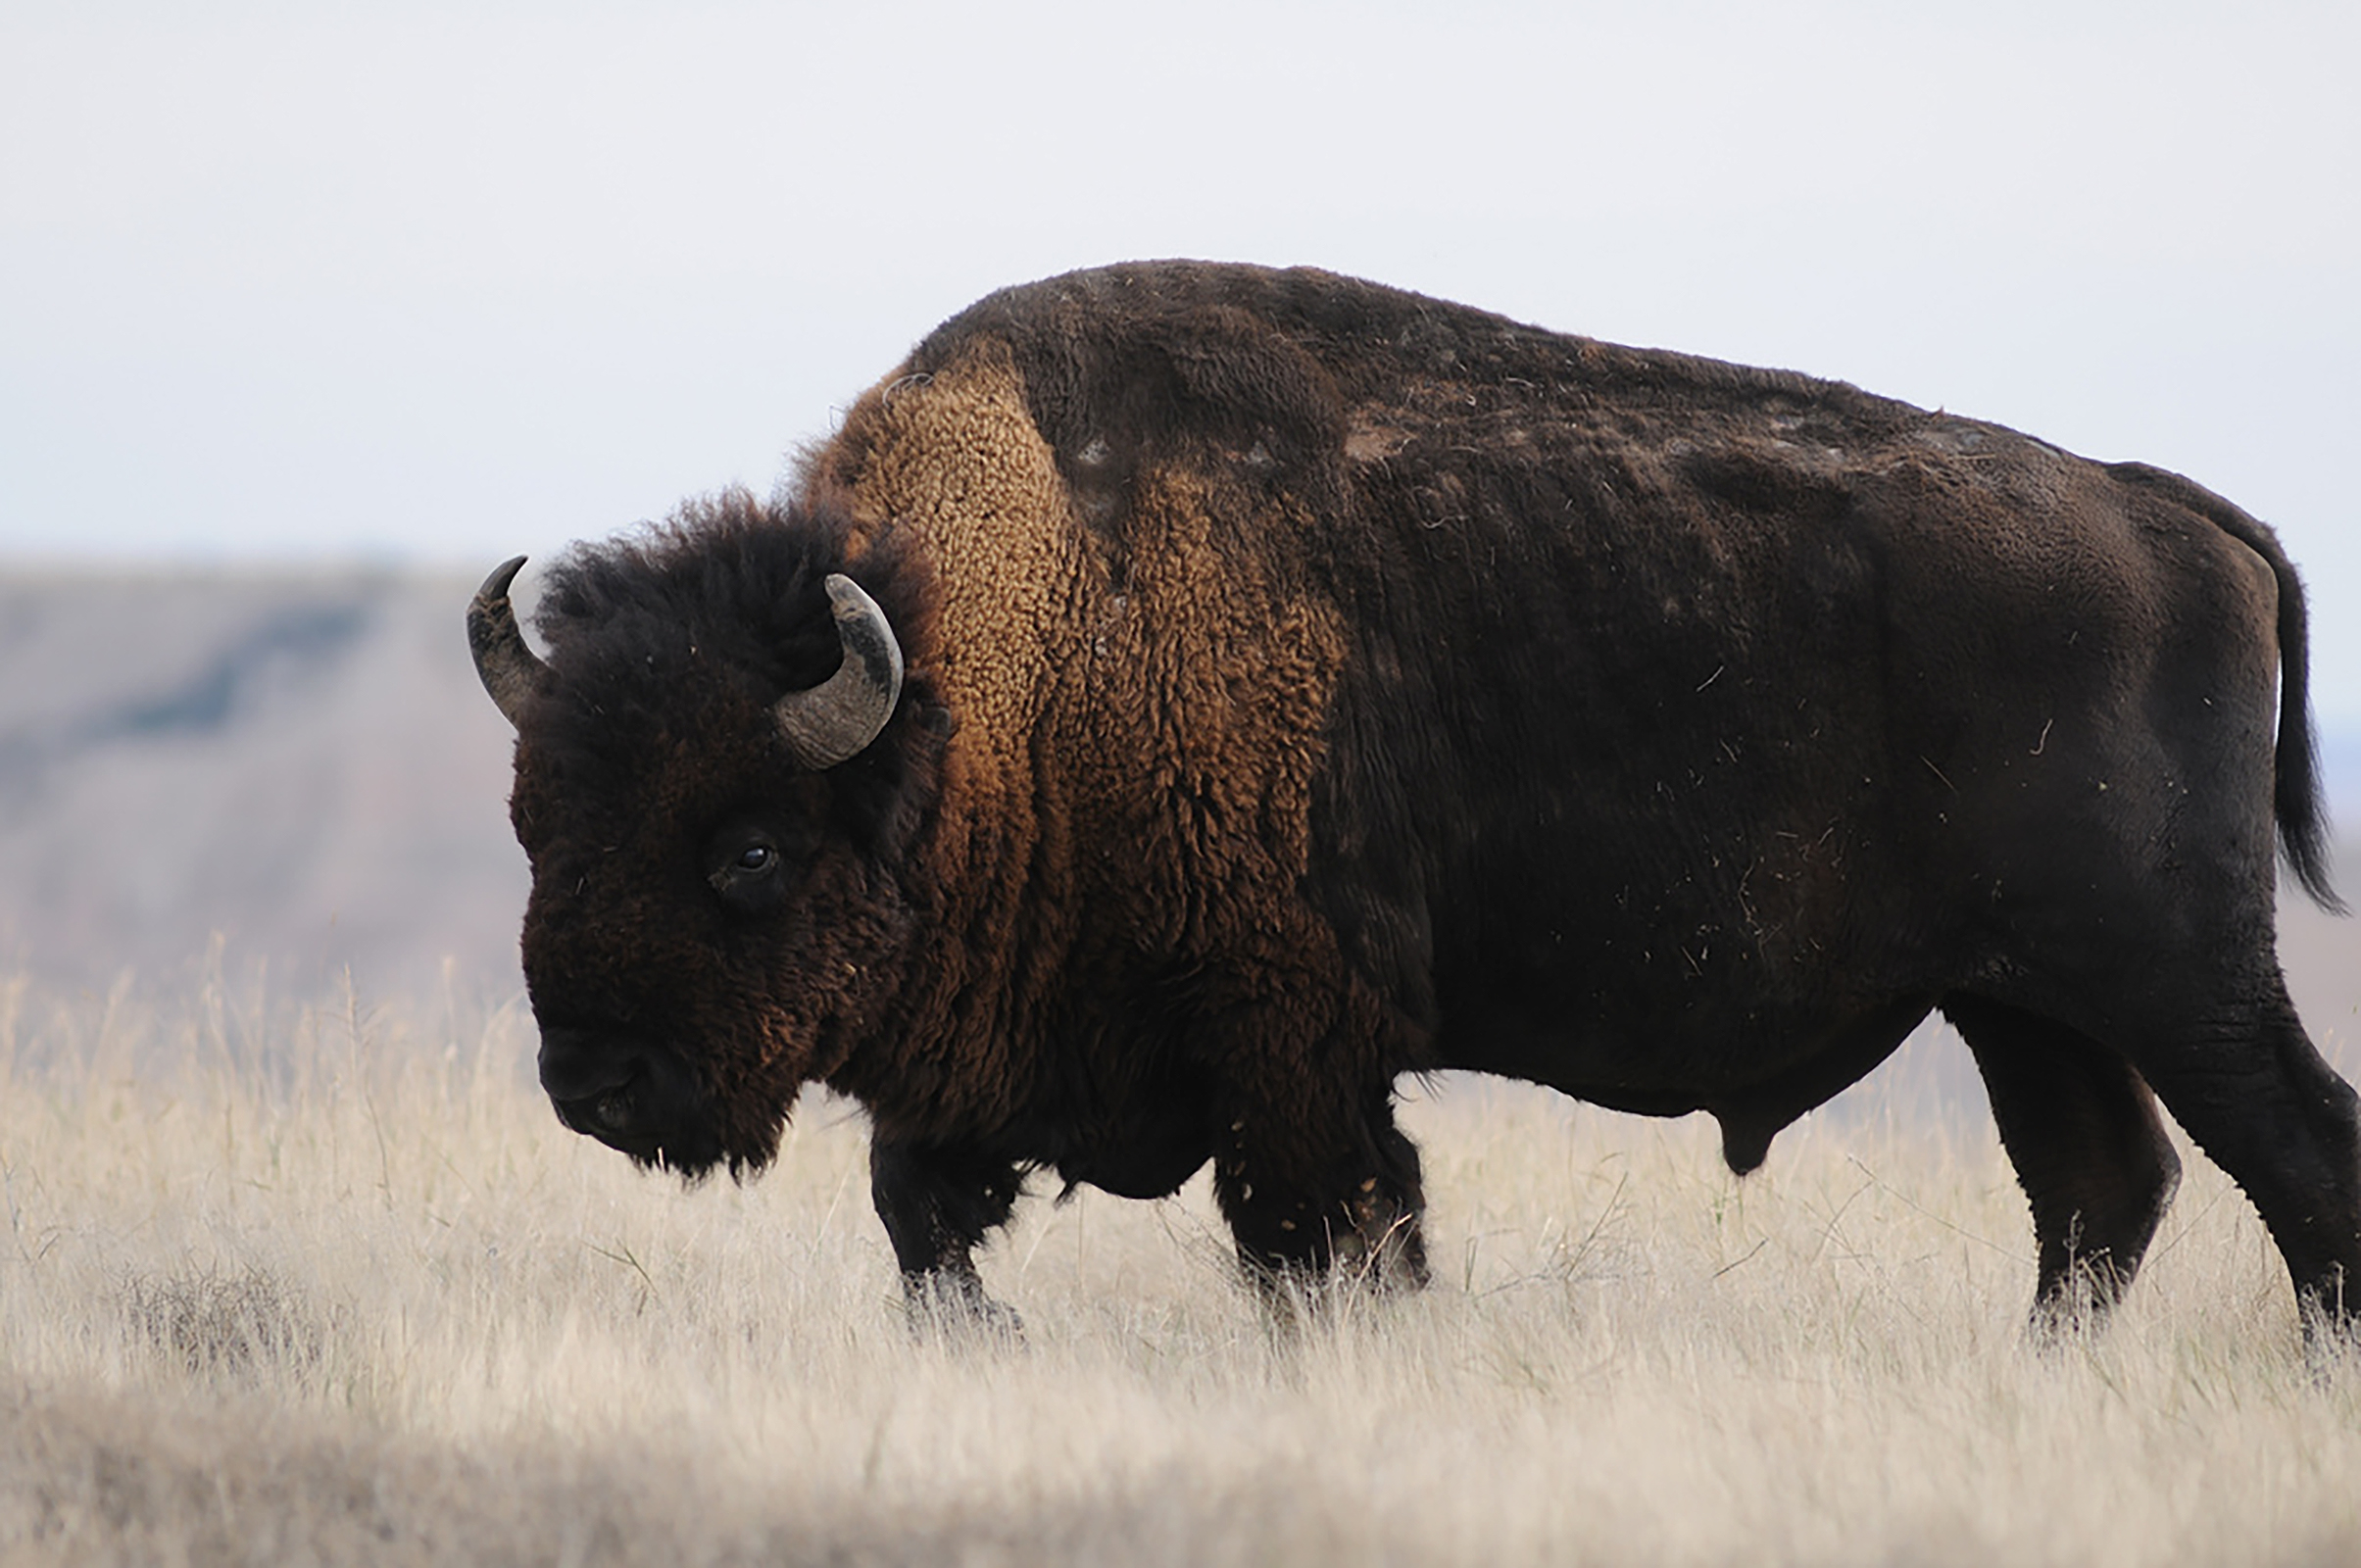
[
  {"x": 2247, "y": 1085},
  {"x": 2082, "y": 1129},
  {"x": 1314, "y": 1192},
  {"x": 939, "y": 1203}
]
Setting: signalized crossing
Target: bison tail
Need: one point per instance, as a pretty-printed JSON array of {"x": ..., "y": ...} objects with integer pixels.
[{"x": 2295, "y": 797}]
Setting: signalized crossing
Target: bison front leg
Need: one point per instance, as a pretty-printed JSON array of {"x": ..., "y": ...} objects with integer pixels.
[
  {"x": 939, "y": 1203},
  {"x": 1317, "y": 1192}
]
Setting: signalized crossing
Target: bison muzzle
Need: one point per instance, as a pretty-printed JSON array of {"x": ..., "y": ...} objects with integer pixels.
[{"x": 1182, "y": 699}]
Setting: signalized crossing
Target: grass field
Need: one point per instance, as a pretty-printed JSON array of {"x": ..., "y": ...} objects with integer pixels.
[{"x": 284, "y": 1285}]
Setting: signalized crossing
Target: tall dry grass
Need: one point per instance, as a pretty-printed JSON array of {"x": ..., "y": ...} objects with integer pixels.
[{"x": 288, "y": 1284}]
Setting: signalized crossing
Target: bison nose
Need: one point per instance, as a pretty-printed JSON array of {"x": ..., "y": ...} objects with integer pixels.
[
  {"x": 579, "y": 1065},
  {"x": 606, "y": 1085},
  {"x": 612, "y": 1109},
  {"x": 604, "y": 1117}
]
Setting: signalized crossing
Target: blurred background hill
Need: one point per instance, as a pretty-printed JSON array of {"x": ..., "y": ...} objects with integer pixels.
[{"x": 300, "y": 765}]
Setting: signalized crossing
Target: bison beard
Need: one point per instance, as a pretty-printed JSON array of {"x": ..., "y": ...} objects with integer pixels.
[{"x": 1261, "y": 684}]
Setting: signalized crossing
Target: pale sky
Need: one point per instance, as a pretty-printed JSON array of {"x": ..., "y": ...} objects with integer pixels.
[{"x": 440, "y": 283}]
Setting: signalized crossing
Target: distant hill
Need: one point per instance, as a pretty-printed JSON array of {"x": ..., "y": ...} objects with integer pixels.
[
  {"x": 305, "y": 767},
  {"x": 302, "y": 765}
]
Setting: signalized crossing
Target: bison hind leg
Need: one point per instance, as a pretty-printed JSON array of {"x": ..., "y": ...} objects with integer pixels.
[
  {"x": 2245, "y": 1081},
  {"x": 2081, "y": 1127}
]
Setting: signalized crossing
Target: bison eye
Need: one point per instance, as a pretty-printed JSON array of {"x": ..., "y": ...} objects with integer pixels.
[
  {"x": 751, "y": 861},
  {"x": 745, "y": 874}
]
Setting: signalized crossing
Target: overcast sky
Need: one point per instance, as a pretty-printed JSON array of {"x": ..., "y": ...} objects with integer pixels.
[{"x": 441, "y": 283}]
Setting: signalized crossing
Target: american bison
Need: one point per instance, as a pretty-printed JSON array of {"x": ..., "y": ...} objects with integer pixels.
[{"x": 1183, "y": 698}]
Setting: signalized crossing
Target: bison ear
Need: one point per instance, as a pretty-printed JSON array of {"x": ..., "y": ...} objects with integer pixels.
[
  {"x": 839, "y": 717},
  {"x": 509, "y": 671}
]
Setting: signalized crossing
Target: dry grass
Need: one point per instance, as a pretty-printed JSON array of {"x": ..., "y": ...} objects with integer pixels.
[{"x": 283, "y": 1284}]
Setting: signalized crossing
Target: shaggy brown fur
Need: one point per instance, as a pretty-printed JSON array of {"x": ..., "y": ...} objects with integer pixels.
[{"x": 1311, "y": 682}]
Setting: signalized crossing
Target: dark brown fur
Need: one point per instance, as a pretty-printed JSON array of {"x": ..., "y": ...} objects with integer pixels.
[{"x": 1312, "y": 682}]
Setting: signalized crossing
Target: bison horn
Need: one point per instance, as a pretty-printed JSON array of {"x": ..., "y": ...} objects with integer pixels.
[
  {"x": 509, "y": 669},
  {"x": 842, "y": 714}
]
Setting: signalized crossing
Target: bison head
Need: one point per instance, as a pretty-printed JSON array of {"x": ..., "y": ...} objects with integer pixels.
[{"x": 718, "y": 775}]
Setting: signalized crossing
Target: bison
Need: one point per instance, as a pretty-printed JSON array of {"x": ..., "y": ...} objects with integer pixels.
[{"x": 1182, "y": 699}]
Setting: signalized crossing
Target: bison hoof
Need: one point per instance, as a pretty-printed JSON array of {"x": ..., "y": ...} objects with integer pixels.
[{"x": 950, "y": 1310}]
